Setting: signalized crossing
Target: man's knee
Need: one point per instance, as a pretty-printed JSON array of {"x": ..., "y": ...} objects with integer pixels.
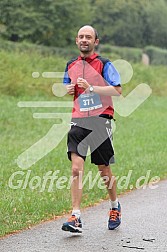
[
  {"x": 77, "y": 171},
  {"x": 104, "y": 170},
  {"x": 77, "y": 165}
]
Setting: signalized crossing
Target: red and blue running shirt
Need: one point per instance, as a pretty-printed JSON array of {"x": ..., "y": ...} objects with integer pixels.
[{"x": 97, "y": 71}]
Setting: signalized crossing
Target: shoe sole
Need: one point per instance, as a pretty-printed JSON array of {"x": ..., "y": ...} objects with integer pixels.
[{"x": 72, "y": 229}]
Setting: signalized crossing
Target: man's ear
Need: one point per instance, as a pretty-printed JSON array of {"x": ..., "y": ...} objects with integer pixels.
[
  {"x": 96, "y": 42},
  {"x": 76, "y": 40}
]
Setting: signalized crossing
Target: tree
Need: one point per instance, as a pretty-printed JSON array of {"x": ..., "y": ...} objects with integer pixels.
[
  {"x": 131, "y": 22},
  {"x": 55, "y": 22},
  {"x": 46, "y": 22},
  {"x": 157, "y": 23}
]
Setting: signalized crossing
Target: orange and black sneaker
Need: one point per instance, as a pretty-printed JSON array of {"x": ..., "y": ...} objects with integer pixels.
[
  {"x": 114, "y": 217},
  {"x": 73, "y": 225}
]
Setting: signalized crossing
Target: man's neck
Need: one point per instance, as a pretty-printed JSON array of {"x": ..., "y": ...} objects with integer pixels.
[{"x": 86, "y": 55}]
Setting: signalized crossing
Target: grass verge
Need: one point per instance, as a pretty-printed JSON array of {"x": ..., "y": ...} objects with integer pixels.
[{"x": 139, "y": 142}]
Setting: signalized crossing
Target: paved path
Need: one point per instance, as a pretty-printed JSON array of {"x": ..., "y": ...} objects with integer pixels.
[{"x": 144, "y": 228}]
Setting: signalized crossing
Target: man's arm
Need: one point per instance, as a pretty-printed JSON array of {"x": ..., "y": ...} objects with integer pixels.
[
  {"x": 111, "y": 78},
  {"x": 106, "y": 90},
  {"x": 70, "y": 87}
]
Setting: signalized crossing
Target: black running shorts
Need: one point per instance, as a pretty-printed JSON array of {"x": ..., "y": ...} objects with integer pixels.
[{"x": 93, "y": 132}]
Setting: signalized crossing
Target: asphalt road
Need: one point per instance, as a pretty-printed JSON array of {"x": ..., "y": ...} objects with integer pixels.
[{"x": 144, "y": 228}]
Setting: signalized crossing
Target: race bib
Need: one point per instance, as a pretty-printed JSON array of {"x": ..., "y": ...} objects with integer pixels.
[{"x": 89, "y": 102}]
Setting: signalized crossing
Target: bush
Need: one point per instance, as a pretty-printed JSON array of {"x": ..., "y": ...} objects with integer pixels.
[
  {"x": 126, "y": 53},
  {"x": 157, "y": 55},
  {"x": 33, "y": 48}
]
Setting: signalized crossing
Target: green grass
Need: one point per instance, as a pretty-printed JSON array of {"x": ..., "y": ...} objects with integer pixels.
[
  {"x": 16, "y": 73},
  {"x": 139, "y": 141}
]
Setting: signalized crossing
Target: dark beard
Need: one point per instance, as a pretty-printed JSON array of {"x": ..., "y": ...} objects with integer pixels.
[{"x": 86, "y": 49}]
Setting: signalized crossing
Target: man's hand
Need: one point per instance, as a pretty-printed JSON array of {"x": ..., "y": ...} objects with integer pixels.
[
  {"x": 70, "y": 89},
  {"x": 82, "y": 83}
]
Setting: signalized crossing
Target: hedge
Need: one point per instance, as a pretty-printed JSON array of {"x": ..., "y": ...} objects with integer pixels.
[
  {"x": 43, "y": 50},
  {"x": 126, "y": 53},
  {"x": 157, "y": 55}
]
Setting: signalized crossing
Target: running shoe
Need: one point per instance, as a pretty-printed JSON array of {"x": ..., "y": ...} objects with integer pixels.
[
  {"x": 73, "y": 225},
  {"x": 114, "y": 217}
]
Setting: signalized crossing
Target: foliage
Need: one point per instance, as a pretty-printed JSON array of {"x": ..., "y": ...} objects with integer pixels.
[
  {"x": 48, "y": 22},
  {"x": 126, "y": 53},
  {"x": 129, "y": 23},
  {"x": 27, "y": 47},
  {"x": 156, "y": 23},
  {"x": 157, "y": 56}
]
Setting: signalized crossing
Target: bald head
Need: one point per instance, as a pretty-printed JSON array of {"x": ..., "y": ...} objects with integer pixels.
[
  {"x": 89, "y": 28},
  {"x": 86, "y": 40}
]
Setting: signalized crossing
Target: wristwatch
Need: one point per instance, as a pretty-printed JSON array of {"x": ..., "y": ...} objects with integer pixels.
[{"x": 91, "y": 89}]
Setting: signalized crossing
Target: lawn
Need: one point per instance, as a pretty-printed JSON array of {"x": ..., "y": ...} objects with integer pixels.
[{"x": 27, "y": 196}]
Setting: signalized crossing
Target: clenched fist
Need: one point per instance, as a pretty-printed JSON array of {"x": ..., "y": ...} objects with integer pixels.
[
  {"x": 82, "y": 83},
  {"x": 70, "y": 89}
]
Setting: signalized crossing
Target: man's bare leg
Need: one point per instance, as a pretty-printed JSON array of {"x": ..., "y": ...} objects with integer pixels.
[
  {"x": 74, "y": 222},
  {"x": 115, "y": 208},
  {"x": 109, "y": 180},
  {"x": 76, "y": 185}
]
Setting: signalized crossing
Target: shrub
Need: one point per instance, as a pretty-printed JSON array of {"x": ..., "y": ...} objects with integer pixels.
[
  {"x": 157, "y": 55},
  {"x": 126, "y": 53},
  {"x": 41, "y": 49}
]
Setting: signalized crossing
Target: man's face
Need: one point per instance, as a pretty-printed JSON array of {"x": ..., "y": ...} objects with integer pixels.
[{"x": 86, "y": 40}]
